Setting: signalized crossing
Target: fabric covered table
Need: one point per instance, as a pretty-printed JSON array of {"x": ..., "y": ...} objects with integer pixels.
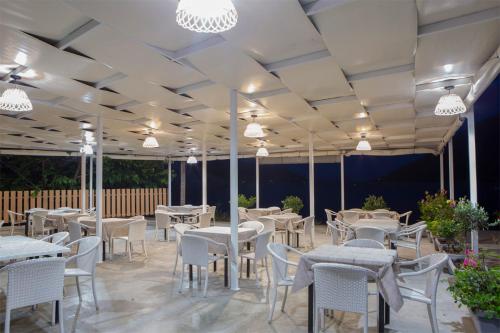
[
  {"x": 258, "y": 212},
  {"x": 391, "y": 227},
  {"x": 223, "y": 235},
  {"x": 20, "y": 247},
  {"x": 381, "y": 261},
  {"x": 61, "y": 218}
]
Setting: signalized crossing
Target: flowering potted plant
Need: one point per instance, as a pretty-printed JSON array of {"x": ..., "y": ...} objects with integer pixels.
[
  {"x": 435, "y": 208},
  {"x": 293, "y": 202},
  {"x": 478, "y": 287},
  {"x": 373, "y": 202}
]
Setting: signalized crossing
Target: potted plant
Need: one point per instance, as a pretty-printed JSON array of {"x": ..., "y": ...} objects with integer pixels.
[
  {"x": 435, "y": 208},
  {"x": 469, "y": 216},
  {"x": 478, "y": 288},
  {"x": 373, "y": 202},
  {"x": 446, "y": 232},
  {"x": 293, "y": 202},
  {"x": 245, "y": 202}
]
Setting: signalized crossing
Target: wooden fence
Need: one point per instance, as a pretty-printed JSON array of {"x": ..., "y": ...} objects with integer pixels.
[{"x": 117, "y": 202}]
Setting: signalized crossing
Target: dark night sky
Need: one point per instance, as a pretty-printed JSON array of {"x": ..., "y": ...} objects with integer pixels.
[{"x": 402, "y": 180}]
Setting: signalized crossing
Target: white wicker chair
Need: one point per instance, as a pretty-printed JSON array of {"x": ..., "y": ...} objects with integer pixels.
[
  {"x": 434, "y": 265},
  {"x": 195, "y": 252},
  {"x": 32, "y": 282},
  {"x": 203, "y": 220},
  {"x": 57, "y": 238},
  {"x": 256, "y": 225},
  {"x": 15, "y": 220},
  {"x": 75, "y": 230},
  {"x": 84, "y": 263},
  {"x": 242, "y": 214},
  {"x": 406, "y": 218},
  {"x": 179, "y": 231},
  {"x": 38, "y": 226},
  {"x": 303, "y": 227},
  {"x": 260, "y": 242},
  {"x": 341, "y": 287},
  {"x": 164, "y": 221},
  {"x": 338, "y": 232},
  {"x": 136, "y": 233},
  {"x": 366, "y": 243},
  {"x": 349, "y": 216},
  {"x": 410, "y": 238},
  {"x": 281, "y": 278},
  {"x": 347, "y": 232},
  {"x": 330, "y": 217},
  {"x": 374, "y": 233},
  {"x": 212, "y": 210},
  {"x": 269, "y": 225},
  {"x": 287, "y": 211}
]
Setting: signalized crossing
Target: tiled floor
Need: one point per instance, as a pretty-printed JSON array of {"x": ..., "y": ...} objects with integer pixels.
[{"x": 142, "y": 297}]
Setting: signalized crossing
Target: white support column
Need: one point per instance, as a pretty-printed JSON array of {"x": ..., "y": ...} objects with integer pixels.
[
  {"x": 233, "y": 181},
  {"x": 257, "y": 183},
  {"x": 471, "y": 135},
  {"x": 83, "y": 182},
  {"x": 311, "y": 174},
  {"x": 204, "y": 177},
  {"x": 451, "y": 173},
  {"x": 441, "y": 171},
  {"x": 91, "y": 181},
  {"x": 342, "y": 191},
  {"x": 169, "y": 182},
  {"x": 98, "y": 181}
]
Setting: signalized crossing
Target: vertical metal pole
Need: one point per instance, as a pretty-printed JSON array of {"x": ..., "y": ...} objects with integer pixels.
[
  {"x": 98, "y": 182},
  {"x": 342, "y": 192},
  {"x": 451, "y": 173},
  {"x": 183, "y": 183},
  {"x": 472, "y": 171},
  {"x": 83, "y": 181},
  {"x": 204, "y": 177},
  {"x": 257, "y": 183},
  {"x": 233, "y": 181},
  {"x": 441, "y": 171},
  {"x": 91, "y": 181},
  {"x": 169, "y": 182},
  {"x": 311, "y": 174}
]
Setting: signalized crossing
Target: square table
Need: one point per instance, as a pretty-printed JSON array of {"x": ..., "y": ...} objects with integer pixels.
[
  {"x": 222, "y": 235},
  {"x": 376, "y": 259},
  {"x": 390, "y": 226}
]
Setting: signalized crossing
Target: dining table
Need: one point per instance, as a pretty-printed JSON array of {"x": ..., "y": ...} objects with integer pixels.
[
  {"x": 381, "y": 261},
  {"x": 390, "y": 226},
  {"x": 258, "y": 212},
  {"x": 222, "y": 235},
  {"x": 283, "y": 220},
  {"x": 22, "y": 248},
  {"x": 59, "y": 215}
]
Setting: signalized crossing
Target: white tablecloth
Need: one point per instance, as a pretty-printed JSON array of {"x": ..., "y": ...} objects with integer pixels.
[
  {"x": 20, "y": 247},
  {"x": 388, "y": 225},
  {"x": 110, "y": 226},
  {"x": 379, "y": 260},
  {"x": 283, "y": 219}
]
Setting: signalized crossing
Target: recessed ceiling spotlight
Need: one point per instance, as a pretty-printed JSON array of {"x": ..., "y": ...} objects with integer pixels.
[{"x": 448, "y": 68}]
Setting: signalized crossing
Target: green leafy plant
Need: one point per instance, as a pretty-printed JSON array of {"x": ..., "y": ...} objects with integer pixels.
[
  {"x": 447, "y": 229},
  {"x": 245, "y": 202},
  {"x": 293, "y": 202},
  {"x": 477, "y": 287},
  {"x": 373, "y": 202},
  {"x": 469, "y": 216},
  {"x": 436, "y": 207}
]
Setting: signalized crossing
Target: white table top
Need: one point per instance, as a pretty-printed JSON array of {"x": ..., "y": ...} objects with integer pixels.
[
  {"x": 20, "y": 247},
  {"x": 217, "y": 230},
  {"x": 389, "y": 225}
]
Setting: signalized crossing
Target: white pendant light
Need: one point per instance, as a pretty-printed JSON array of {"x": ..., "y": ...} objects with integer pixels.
[
  {"x": 15, "y": 99},
  {"x": 150, "y": 142},
  {"x": 262, "y": 152},
  {"x": 209, "y": 16},
  {"x": 450, "y": 105},
  {"x": 253, "y": 130},
  {"x": 192, "y": 160},
  {"x": 363, "y": 144},
  {"x": 87, "y": 149}
]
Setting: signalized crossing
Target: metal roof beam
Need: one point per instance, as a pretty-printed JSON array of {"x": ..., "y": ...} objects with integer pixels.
[
  {"x": 457, "y": 22},
  {"x": 75, "y": 34},
  {"x": 264, "y": 94},
  {"x": 334, "y": 100},
  {"x": 444, "y": 83},
  {"x": 194, "y": 86},
  {"x": 295, "y": 61},
  {"x": 381, "y": 72},
  {"x": 198, "y": 47},
  {"x": 110, "y": 79},
  {"x": 127, "y": 105},
  {"x": 322, "y": 5}
]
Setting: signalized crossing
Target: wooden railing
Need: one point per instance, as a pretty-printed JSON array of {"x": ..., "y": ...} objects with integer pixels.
[{"x": 116, "y": 202}]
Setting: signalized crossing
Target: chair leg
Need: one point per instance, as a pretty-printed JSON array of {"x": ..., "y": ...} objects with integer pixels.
[
  {"x": 129, "y": 251},
  {"x": 206, "y": 282},
  {"x": 241, "y": 267},
  {"x": 78, "y": 288},
  {"x": 175, "y": 264},
  {"x": 316, "y": 317},
  {"x": 256, "y": 272},
  {"x": 365, "y": 328},
  {"x": 95, "y": 294},
  {"x": 431, "y": 310},
  {"x": 144, "y": 248},
  {"x": 267, "y": 269},
  {"x": 7, "y": 321},
  {"x": 181, "y": 279},
  {"x": 53, "y": 315},
  {"x": 274, "y": 294},
  {"x": 61, "y": 316},
  {"x": 284, "y": 299}
]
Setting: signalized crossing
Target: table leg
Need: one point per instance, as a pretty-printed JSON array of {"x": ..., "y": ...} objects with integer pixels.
[
  {"x": 226, "y": 269},
  {"x": 287, "y": 238},
  {"x": 387, "y": 313},
  {"x": 381, "y": 313},
  {"x": 165, "y": 233},
  {"x": 215, "y": 264},
  {"x": 103, "y": 250},
  {"x": 26, "y": 226},
  {"x": 310, "y": 308},
  {"x": 297, "y": 240},
  {"x": 57, "y": 302},
  {"x": 248, "y": 261},
  {"x": 190, "y": 273}
]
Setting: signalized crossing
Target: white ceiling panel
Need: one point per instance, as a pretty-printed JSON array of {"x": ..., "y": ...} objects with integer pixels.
[
  {"x": 434, "y": 121},
  {"x": 356, "y": 125},
  {"x": 287, "y": 105},
  {"x": 134, "y": 58},
  {"x": 216, "y": 96},
  {"x": 315, "y": 124},
  {"x": 431, "y": 11},
  {"x": 333, "y": 135},
  {"x": 386, "y": 89},
  {"x": 316, "y": 80},
  {"x": 449, "y": 48},
  {"x": 210, "y": 116},
  {"x": 342, "y": 111},
  {"x": 392, "y": 112},
  {"x": 279, "y": 31},
  {"x": 368, "y": 35},
  {"x": 227, "y": 65}
]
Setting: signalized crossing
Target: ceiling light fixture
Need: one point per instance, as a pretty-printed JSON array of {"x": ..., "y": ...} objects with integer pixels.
[
  {"x": 206, "y": 16},
  {"x": 15, "y": 99},
  {"x": 450, "y": 105},
  {"x": 150, "y": 141},
  {"x": 253, "y": 130},
  {"x": 87, "y": 149},
  {"x": 262, "y": 151},
  {"x": 192, "y": 159},
  {"x": 363, "y": 144}
]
